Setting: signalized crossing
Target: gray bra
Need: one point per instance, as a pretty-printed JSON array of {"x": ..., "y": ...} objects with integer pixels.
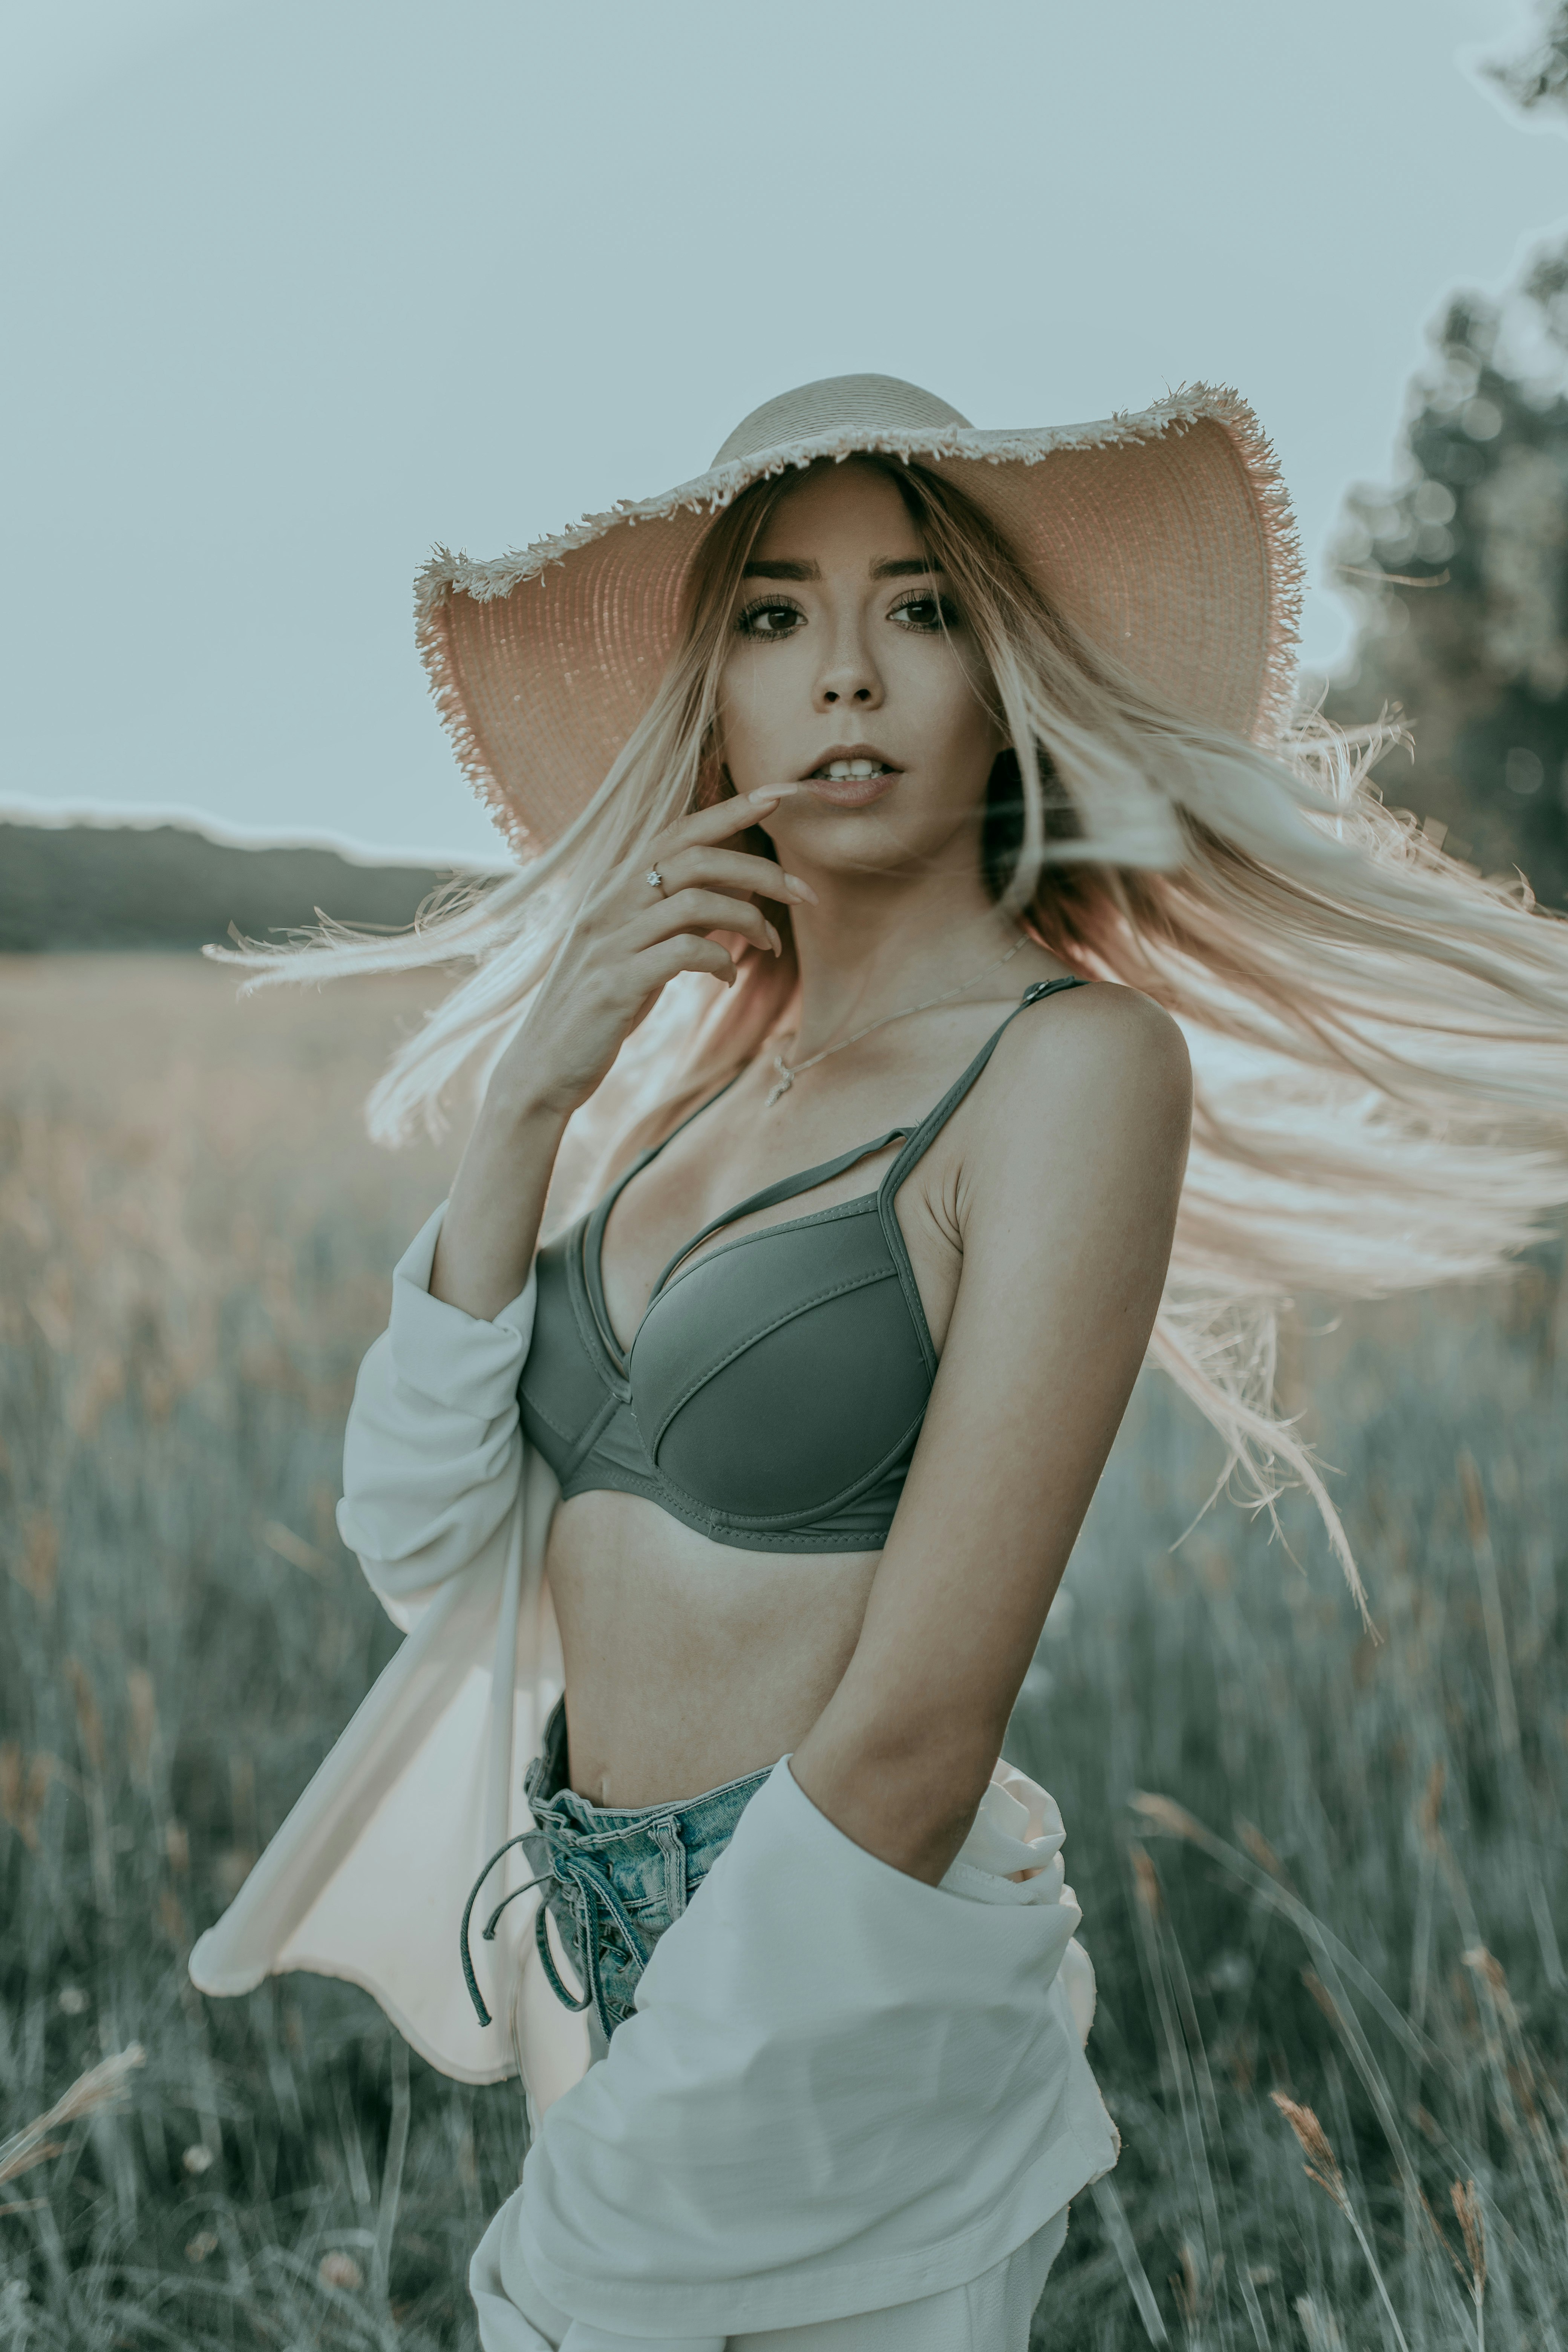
[{"x": 775, "y": 1389}]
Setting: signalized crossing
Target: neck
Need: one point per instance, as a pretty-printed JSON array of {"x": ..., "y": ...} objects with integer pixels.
[{"x": 875, "y": 943}]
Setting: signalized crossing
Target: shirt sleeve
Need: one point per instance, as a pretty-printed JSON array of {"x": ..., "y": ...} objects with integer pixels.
[{"x": 433, "y": 1450}]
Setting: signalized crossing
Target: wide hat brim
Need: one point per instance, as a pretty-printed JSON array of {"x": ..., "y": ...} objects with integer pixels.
[{"x": 1166, "y": 536}]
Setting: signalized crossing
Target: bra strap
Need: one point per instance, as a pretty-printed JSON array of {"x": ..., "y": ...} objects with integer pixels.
[
  {"x": 931, "y": 1126},
  {"x": 789, "y": 1187},
  {"x": 785, "y": 1189},
  {"x": 591, "y": 1237},
  {"x": 921, "y": 1141}
]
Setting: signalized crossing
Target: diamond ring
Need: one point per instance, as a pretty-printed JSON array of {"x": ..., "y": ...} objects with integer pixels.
[{"x": 655, "y": 879}]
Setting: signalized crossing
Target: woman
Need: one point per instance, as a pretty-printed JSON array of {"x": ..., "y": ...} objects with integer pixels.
[{"x": 921, "y": 745}]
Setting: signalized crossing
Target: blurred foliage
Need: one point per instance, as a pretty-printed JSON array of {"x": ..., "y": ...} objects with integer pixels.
[
  {"x": 1541, "y": 76},
  {"x": 1460, "y": 574}
]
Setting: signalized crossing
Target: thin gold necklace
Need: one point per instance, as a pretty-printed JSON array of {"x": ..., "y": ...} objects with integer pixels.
[{"x": 787, "y": 1076}]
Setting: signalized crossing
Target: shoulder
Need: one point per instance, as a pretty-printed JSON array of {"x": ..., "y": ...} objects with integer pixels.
[
  {"x": 1104, "y": 1040},
  {"x": 1097, "y": 1079}
]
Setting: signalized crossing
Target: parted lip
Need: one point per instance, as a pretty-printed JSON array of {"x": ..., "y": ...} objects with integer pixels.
[{"x": 850, "y": 751}]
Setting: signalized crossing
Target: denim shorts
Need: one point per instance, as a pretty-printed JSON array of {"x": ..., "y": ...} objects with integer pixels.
[{"x": 618, "y": 1876}]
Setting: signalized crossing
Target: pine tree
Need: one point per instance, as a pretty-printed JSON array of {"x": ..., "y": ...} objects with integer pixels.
[
  {"x": 1461, "y": 574},
  {"x": 1461, "y": 570}
]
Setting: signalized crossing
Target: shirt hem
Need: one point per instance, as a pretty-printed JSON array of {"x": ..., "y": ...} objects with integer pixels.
[{"x": 808, "y": 2292}]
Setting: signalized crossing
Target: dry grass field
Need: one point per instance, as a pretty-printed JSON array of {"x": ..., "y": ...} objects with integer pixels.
[{"x": 1318, "y": 1870}]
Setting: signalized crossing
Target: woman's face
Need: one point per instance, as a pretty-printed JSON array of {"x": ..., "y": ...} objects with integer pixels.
[{"x": 853, "y": 672}]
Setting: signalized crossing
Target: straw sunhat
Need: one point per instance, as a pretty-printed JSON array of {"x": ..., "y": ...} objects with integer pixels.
[{"x": 1166, "y": 536}]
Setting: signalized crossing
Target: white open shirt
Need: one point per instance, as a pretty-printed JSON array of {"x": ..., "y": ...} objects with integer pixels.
[{"x": 841, "y": 2089}]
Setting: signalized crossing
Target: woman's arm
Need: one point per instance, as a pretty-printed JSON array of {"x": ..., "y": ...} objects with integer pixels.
[
  {"x": 433, "y": 1451},
  {"x": 626, "y": 944},
  {"x": 1066, "y": 1210}
]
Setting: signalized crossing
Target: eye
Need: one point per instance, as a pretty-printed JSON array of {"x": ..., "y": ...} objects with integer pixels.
[
  {"x": 925, "y": 614},
  {"x": 769, "y": 619}
]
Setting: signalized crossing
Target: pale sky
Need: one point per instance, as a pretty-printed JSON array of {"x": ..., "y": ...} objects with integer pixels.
[{"x": 293, "y": 290}]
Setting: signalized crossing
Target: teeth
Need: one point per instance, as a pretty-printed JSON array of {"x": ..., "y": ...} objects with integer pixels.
[{"x": 844, "y": 772}]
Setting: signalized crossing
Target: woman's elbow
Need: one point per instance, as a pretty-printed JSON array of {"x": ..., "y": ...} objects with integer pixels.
[{"x": 907, "y": 1793}]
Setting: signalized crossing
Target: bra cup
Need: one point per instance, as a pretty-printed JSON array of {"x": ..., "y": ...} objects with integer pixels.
[
  {"x": 804, "y": 1419},
  {"x": 775, "y": 1387},
  {"x": 807, "y": 1409},
  {"x": 561, "y": 1388}
]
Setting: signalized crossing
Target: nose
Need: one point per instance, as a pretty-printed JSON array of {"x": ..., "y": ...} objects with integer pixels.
[{"x": 849, "y": 675}]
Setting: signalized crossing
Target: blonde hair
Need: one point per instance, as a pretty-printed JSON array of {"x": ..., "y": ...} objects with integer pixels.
[{"x": 1378, "y": 1036}]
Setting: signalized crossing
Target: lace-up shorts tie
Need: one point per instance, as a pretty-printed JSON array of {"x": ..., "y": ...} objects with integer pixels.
[{"x": 615, "y": 1877}]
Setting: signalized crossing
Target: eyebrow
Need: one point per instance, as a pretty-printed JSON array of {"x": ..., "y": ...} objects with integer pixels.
[{"x": 899, "y": 567}]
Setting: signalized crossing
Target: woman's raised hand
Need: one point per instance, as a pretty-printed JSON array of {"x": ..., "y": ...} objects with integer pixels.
[{"x": 633, "y": 937}]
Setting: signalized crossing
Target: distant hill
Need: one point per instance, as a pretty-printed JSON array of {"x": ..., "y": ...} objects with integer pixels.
[{"x": 169, "y": 886}]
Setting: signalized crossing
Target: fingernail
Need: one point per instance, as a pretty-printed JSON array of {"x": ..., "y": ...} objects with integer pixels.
[
  {"x": 802, "y": 889},
  {"x": 776, "y": 792},
  {"x": 764, "y": 800},
  {"x": 778, "y": 943}
]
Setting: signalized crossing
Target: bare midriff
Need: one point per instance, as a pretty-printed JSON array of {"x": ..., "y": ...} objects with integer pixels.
[{"x": 689, "y": 1662}]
